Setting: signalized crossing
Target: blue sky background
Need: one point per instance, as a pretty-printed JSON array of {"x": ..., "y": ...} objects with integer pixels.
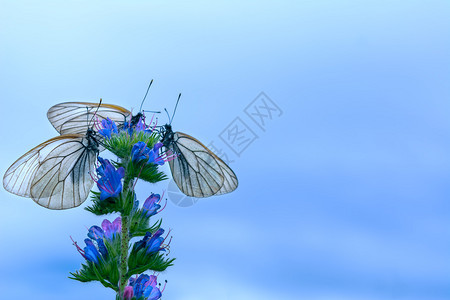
[{"x": 344, "y": 196}]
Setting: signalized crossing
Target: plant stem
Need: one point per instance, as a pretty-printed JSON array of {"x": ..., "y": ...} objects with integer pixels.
[
  {"x": 125, "y": 237},
  {"x": 124, "y": 254}
]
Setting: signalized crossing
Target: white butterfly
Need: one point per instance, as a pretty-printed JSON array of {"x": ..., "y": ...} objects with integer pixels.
[
  {"x": 196, "y": 170},
  {"x": 55, "y": 174}
]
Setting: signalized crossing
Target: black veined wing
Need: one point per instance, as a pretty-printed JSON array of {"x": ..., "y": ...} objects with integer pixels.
[
  {"x": 230, "y": 181},
  {"x": 18, "y": 177},
  {"x": 56, "y": 173},
  {"x": 75, "y": 117},
  {"x": 196, "y": 170}
]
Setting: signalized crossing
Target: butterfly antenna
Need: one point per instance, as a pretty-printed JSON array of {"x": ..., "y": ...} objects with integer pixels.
[
  {"x": 152, "y": 111},
  {"x": 98, "y": 106},
  {"x": 175, "y": 109},
  {"x": 142, "y": 103},
  {"x": 168, "y": 116}
]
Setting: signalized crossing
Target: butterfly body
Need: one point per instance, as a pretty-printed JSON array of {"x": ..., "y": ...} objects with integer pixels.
[
  {"x": 92, "y": 142},
  {"x": 167, "y": 136},
  {"x": 135, "y": 119}
]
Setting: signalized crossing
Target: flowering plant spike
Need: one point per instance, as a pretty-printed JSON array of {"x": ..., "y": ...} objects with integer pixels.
[{"x": 119, "y": 251}]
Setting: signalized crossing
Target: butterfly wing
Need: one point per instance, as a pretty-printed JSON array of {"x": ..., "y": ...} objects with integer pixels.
[
  {"x": 230, "y": 181},
  {"x": 196, "y": 170},
  {"x": 18, "y": 177},
  {"x": 62, "y": 179},
  {"x": 75, "y": 117}
]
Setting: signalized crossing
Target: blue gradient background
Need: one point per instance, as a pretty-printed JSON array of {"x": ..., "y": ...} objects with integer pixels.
[{"x": 345, "y": 196}]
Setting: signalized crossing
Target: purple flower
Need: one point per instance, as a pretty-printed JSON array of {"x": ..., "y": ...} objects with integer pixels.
[
  {"x": 90, "y": 251},
  {"x": 95, "y": 253},
  {"x": 155, "y": 242},
  {"x": 127, "y": 126},
  {"x": 112, "y": 229},
  {"x": 145, "y": 286},
  {"x": 96, "y": 232},
  {"x": 98, "y": 236},
  {"x": 102, "y": 248},
  {"x": 109, "y": 184},
  {"x": 109, "y": 230},
  {"x": 151, "y": 205},
  {"x": 101, "y": 168},
  {"x": 140, "y": 125},
  {"x": 108, "y": 127},
  {"x": 151, "y": 243},
  {"x": 137, "y": 124},
  {"x": 154, "y": 157},
  {"x": 139, "y": 151},
  {"x": 128, "y": 293}
]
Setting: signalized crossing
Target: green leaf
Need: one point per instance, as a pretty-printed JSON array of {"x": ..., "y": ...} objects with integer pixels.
[
  {"x": 92, "y": 272},
  {"x": 140, "y": 261},
  {"x": 107, "y": 206},
  {"x": 139, "y": 224}
]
